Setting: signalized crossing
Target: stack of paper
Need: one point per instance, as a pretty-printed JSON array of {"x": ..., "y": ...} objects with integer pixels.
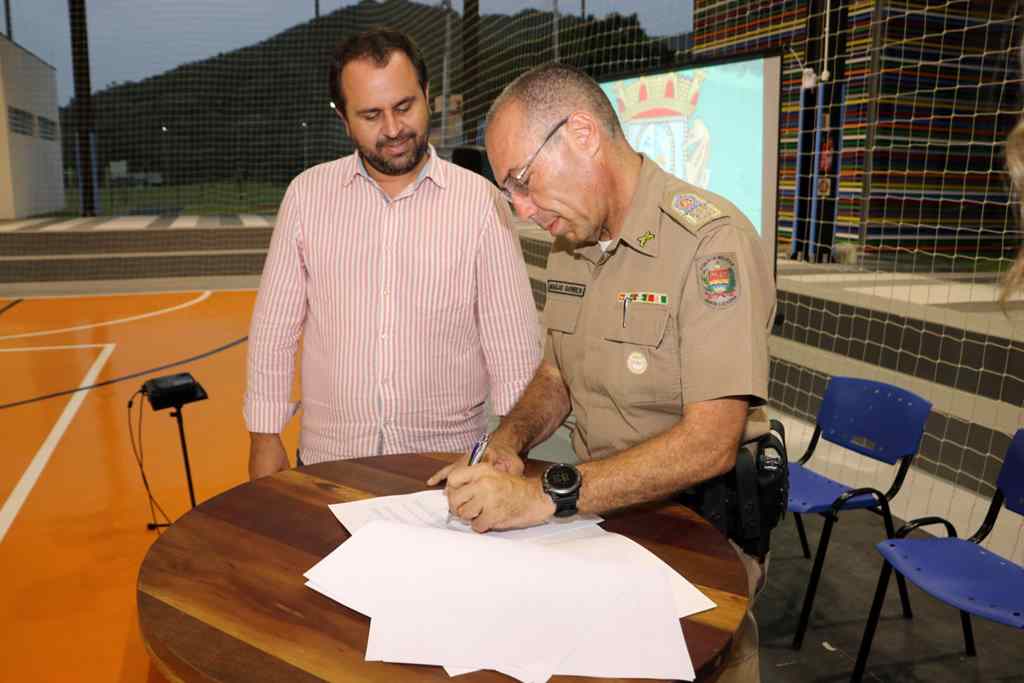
[{"x": 572, "y": 600}]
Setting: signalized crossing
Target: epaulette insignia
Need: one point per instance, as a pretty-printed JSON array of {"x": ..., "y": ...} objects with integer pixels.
[{"x": 693, "y": 210}]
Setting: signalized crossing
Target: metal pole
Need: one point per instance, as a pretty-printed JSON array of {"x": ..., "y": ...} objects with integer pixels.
[
  {"x": 583, "y": 9},
  {"x": 470, "y": 68},
  {"x": 447, "y": 4},
  {"x": 176, "y": 414},
  {"x": 305, "y": 148},
  {"x": 554, "y": 26},
  {"x": 316, "y": 8},
  {"x": 7, "y": 12},
  {"x": 83, "y": 103}
]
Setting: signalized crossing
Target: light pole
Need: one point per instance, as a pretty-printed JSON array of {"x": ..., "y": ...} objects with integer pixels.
[
  {"x": 305, "y": 149},
  {"x": 447, "y": 6}
]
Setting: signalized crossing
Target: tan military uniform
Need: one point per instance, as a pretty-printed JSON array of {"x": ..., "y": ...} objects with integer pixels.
[{"x": 678, "y": 310}]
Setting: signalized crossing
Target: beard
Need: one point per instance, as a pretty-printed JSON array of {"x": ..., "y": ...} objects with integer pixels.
[{"x": 396, "y": 165}]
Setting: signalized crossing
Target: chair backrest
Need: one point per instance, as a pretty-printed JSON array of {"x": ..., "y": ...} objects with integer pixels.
[
  {"x": 1011, "y": 476},
  {"x": 873, "y": 418}
]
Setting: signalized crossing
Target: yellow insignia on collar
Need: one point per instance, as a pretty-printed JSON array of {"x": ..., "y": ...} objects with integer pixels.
[{"x": 645, "y": 238}]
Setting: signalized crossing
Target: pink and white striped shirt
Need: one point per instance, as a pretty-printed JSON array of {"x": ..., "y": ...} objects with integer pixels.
[{"x": 409, "y": 309}]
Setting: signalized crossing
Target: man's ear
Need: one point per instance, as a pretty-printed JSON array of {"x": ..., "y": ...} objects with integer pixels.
[
  {"x": 344, "y": 121},
  {"x": 584, "y": 132}
]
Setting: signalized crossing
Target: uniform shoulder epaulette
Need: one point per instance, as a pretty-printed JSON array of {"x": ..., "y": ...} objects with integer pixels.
[{"x": 689, "y": 209}]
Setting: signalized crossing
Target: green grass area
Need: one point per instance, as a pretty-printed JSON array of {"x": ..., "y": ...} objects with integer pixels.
[{"x": 196, "y": 198}]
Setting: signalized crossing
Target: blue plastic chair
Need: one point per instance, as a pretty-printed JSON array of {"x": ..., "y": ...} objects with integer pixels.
[
  {"x": 876, "y": 420},
  {"x": 959, "y": 572}
]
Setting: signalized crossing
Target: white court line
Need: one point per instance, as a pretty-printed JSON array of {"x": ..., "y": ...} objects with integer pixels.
[
  {"x": 858, "y": 277},
  {"x": 251, "y": 220},
  {"x": 184, "y": 222},
  {"x": 66, "y": 225},
  {"x": 199, "y": 299},
  {"x": 938, "y": 294},
  {"x": 137, "y": 292},
  {"x": 126, "y": 223},
  {"x": 14, "y": 225},
  {"x": 31, "y": 475}
]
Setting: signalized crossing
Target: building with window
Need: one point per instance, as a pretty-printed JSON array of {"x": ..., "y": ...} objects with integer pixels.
[{"x": 31, "y": 181}]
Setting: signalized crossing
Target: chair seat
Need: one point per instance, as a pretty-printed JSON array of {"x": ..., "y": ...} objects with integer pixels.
[
  {"x": 812, "y": 492},
  {"x": 961, "y": 574}
]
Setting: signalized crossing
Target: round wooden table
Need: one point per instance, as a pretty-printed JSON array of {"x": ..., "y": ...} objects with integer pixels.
[{"x": 221, "y": 594}]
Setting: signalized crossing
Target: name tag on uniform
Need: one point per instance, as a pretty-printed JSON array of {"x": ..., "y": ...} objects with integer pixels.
[{"x": 568, "y": 288}]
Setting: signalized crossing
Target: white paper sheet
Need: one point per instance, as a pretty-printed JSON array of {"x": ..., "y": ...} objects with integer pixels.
[
  {"x": 608, "y": 547},
  {"x": 477, "y": 601},
  {"x": 430, "y": 509}
]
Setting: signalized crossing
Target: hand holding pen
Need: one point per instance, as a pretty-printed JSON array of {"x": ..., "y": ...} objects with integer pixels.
[{"x": 476, "y": 454}]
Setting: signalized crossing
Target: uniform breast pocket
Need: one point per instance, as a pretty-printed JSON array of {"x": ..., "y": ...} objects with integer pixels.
[
  {"x": 639, "y": 354},
  {"x": 561, "y": 313}
]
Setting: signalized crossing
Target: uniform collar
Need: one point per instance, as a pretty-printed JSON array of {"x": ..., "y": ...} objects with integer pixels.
[
  {"x": 433, "y": 170},
  {"x": 640, "y": 229}
]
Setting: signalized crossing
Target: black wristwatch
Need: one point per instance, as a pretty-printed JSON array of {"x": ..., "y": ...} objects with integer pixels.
[{"x": 562, "y": 483}]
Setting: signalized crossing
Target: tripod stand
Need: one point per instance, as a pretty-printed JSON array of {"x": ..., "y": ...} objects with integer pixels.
[
  {"x": 174, "y": 391},
  {"x": 176, "y": 414}
]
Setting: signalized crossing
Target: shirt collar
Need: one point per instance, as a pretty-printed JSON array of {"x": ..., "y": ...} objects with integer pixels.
[
  {"x": 433, "y": 169},
  {"x": 640, "y": 229}
]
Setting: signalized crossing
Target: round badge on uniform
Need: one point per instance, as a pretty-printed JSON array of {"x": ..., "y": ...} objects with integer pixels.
[{"x": 637, "y": 363}]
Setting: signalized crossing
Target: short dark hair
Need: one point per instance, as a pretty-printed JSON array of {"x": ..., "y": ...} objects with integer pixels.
[{"x": 376, "y": 45}]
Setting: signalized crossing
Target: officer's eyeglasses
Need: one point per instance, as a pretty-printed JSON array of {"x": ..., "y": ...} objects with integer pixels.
[{"x": 518, "y": 184}]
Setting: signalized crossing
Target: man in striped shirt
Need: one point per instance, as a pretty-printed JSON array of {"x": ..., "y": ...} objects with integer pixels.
[{"x": 403, "y": 276}]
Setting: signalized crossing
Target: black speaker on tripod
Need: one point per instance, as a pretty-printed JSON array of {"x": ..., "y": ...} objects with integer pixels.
[{"x": 175, "y": 391}]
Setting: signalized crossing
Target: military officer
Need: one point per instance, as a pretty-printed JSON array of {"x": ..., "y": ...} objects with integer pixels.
[{"x": 660, "y": 299}]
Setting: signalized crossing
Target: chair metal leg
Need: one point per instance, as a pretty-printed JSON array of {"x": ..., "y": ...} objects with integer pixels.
[
  {"x": 802, "y": 534},
  {"x": 965, "y": 619},
  {"x": 901, "y": 582},
  {"x": 872, "y": 623},
  {"x": 812, "y": 584}
]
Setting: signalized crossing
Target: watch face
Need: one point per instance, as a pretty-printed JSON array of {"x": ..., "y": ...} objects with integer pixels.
[{"x": 562, "y": 479}]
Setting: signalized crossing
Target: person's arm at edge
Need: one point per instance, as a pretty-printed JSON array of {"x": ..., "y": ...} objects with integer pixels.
[
  {"x": 505, "y": 307},
  {"x": 701, "y": 446},
  {"x": 276, "y": 325}
]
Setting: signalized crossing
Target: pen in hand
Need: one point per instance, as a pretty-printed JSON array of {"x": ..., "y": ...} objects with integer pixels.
[{"x": 476, "y": 454}]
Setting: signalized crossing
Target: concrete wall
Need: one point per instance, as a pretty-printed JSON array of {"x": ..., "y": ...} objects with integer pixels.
[{"x": 31, "y": 169}]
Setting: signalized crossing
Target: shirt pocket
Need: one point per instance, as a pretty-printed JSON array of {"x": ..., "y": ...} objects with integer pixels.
[
  {"x": 561, "y": 313},
  {"x": 639, "y": 359}
]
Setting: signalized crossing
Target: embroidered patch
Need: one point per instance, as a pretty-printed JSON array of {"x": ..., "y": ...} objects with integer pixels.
[
  {"x": 645, "y": 238},
  {"x": 644, "y": 298},
  {"x": 637, "y": 363},
  {"x": 568, "y": 288},
  {"x": 694, "y": 210},
  {"x": 718, "y": 280}
]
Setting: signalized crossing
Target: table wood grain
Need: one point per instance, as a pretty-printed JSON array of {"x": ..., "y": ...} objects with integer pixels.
[{"x": 221, "y": 595}]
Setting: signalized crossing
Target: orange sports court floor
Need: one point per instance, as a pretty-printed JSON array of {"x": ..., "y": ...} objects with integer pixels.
[{"x": 73, "y": 523}]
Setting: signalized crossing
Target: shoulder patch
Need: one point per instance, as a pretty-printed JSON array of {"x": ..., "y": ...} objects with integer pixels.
[{"x": 718, "y": 279}]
